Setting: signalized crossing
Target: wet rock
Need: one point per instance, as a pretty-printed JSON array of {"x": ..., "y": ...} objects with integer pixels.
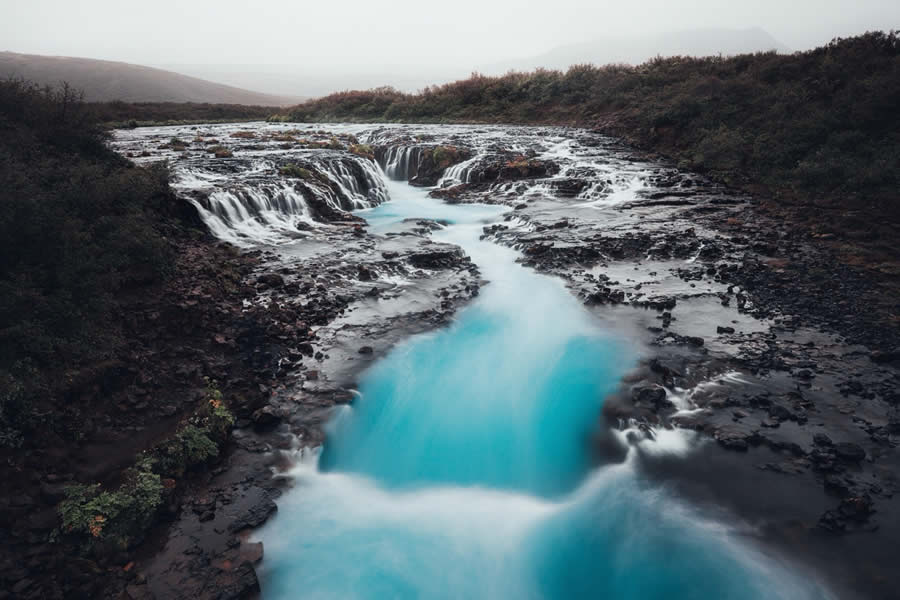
[
  {"x": 256, "y": 515},
  {"x": 853, "y": 510},
  {"x": 822, "y": 459},
  {"x": 437, "y": 259},
  {"x": 849, "y": 452},
  {"x": 251, "y": 552},
  {"x": 568, "y": 187},
  {"x": 240, "y": 583},
  {"x": 694, "y": 341},
  {"x": 886, "y": 356},
  {"x": 273, "y": 280},
  {"x": 727, "y": 330},
  {"x": 836, "y": 485},
  {"x": 266, "y": 417},
  {"x": 365, "y": 274},
  {"x": 366, "y": 350},
  {"x": 664, "y": 367},
  {"x": 733, "y": 440},
  {"x": 820, "y": 439},
  {"x": 781, "y": 413},
  {"x": 653, "y": 396}
]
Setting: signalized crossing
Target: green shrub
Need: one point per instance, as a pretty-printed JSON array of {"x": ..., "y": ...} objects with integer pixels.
[
  {"x": 292, "y": 170},
  {"x": 113, "y": 520},
  {"x": 189, "y": 447},
  {"x": 214, "y": 414},
  {"x": 445, "y": 156},
  {"x": 818, "y": 123},
  {"x": 197, "y": 441},
  {"x": 363, "y": 150}
]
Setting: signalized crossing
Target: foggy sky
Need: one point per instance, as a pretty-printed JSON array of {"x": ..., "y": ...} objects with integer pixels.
[{"x": 400, "y": 40}]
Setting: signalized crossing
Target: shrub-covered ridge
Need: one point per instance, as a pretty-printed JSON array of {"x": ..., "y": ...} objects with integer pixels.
[{"x": 821, "y": 125}]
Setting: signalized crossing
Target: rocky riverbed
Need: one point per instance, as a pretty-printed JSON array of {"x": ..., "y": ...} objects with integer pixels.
[{"x": 751, "y": 335}]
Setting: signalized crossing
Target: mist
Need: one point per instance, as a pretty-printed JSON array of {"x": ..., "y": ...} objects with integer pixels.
[{"x": 307, "y": 48}]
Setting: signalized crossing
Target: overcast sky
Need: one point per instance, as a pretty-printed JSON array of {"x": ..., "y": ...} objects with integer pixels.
[{"x": 395, "y": 36}]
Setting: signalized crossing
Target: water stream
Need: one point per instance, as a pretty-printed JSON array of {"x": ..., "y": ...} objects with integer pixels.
[{"x": 463, "y": 469}]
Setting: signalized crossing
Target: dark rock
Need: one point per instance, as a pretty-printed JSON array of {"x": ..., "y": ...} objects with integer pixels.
[
  {"x": 849, "y": 452},
  {"x": 820, "y": 439},
  {"x": 266, "y": 417},
  {"x": 856, "y": 508},
  {"x": 366, "y": 350},
  {"x": 654, "y": 396},
  {"x": 777, "y": 411},
  {"x": 256, "y": 515},
  {"x": 836, "y": 485},
  {"x": 721, "y": 329},
  {"x": 239, "y": 583},
  {"x": 886, "y": 356},
  {"x": 437, "y": 259},
  {"x": 733, "y": 440},
  {"x": 665, "y": 368},
  {"x": 270, "y": 280},
  {"x": 251, "y": 552}
]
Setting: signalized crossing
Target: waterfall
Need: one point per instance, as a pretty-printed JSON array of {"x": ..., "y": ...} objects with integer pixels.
[
  {"x": 258, "y": 205},
  {"x": 459, "y": 173},
  {"x": 401, "y": 162}
]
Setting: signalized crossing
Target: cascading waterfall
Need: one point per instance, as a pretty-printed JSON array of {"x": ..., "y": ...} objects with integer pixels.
[
  {"x": 401, "y": 163},
  {"x": 364, "y": 187},
  {"x": 459, "y": 173},
  {"x": 254, "y": 213},
  {"x": 262, "y": 207}
]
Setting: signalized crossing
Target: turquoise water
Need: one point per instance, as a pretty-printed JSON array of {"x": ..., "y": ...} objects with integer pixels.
[{"x": 462, "y": 471}]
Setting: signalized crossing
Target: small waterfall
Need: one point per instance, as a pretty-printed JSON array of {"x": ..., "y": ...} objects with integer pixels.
[
  {"x": 401, "y": 162},
  {"x": 361, "y": 181},
  {"x": 459, "y": 173},
  {"x": 264, "y": 213},
  {"x": 258, "y": 205}
]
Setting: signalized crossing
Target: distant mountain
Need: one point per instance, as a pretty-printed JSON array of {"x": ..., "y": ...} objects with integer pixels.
[
  {"x": 637, "y": 49},
  {"x": 103, "y": 80}
]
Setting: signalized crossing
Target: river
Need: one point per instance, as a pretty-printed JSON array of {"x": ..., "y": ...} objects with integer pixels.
[{"x": 467, "y": 466}]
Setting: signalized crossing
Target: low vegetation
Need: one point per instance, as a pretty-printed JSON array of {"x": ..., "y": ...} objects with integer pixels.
[
  {"x": 363, "y": 150},
  {"x": 820, "y": 125},
  {"x": 107, "y": 520},
  {"x": 296, "y": 171},
  {"x": 113, "y": 520},
  {"x": 135, "y": 114},
  {"x": 78, "y": 226}
]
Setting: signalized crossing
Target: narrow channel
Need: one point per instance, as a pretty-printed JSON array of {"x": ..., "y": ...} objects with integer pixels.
[{"x": 464, "y": 468}]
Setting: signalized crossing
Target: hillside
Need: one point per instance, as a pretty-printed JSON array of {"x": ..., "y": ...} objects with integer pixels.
[
  {"x": 613, "y": 49},
  {"x": 104, "y": 81},
  {"x": 816, "y": 130}
]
